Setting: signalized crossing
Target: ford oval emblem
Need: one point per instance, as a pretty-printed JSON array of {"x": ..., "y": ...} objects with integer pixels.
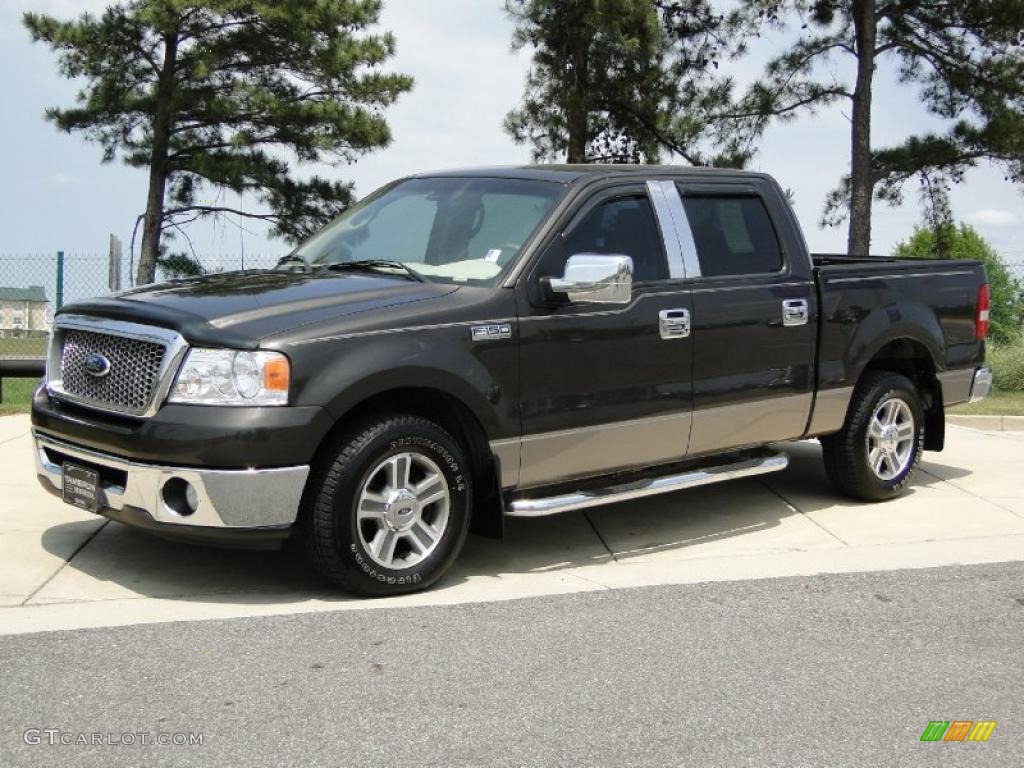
[{"x": 96, "y": 365}]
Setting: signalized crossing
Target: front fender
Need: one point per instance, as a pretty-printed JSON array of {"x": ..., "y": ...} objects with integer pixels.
[{"x": 350, "y": 371}]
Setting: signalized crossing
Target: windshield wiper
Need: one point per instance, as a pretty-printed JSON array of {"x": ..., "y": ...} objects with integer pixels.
[{"x": 377, "y": 264}]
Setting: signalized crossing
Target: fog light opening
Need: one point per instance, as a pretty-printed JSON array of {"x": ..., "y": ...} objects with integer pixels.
[{"x": 180, "y": 496}]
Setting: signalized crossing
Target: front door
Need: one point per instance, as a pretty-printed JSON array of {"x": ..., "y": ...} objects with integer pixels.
[
  {"x": 606, "y": 387},
  {"x": 753, "y": 318}
]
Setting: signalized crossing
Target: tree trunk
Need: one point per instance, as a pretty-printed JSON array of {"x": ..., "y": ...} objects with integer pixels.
[
  {"x": 153, "y": 219},
  {"x": 577, "y": 152},
  {"x": 577, "y": 118},
  {"x": 862, "y": 183}
]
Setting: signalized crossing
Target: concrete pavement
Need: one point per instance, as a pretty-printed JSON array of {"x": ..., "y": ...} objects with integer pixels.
[{"x": 61, "y": 568}]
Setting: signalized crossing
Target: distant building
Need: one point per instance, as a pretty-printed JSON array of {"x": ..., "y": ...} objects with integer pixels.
[{"x": 22, "y": 310}]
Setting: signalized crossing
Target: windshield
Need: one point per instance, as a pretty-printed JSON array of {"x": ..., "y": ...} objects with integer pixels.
[{"x": 459, "y": 230}]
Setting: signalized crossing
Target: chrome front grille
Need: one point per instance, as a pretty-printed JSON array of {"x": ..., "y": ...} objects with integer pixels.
[
  {"x": 133, "y": 375},
  {"x": 135, "y": 370}
]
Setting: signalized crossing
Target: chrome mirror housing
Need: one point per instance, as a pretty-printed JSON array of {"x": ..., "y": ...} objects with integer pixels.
[{"x": 595, "y": 278}]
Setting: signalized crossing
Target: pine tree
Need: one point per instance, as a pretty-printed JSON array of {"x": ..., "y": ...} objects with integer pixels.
[
  {"x": 596, "y": 73},
  {"x": 962, "y": 58},
  {"x": 625, "y": 81},
  {"x": 223, "y": 94}
]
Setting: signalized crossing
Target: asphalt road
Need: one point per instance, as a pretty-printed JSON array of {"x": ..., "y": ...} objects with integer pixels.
[{"x": 832, "y": 671}]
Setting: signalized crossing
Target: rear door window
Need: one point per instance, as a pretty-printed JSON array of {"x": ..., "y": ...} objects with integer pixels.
[{"x": 733, "y": 235}]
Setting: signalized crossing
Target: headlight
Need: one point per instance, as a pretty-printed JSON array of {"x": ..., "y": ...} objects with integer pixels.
[{"x": 227, "y": 377}]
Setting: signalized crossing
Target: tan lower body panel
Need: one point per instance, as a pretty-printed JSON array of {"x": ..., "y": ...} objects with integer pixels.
[
  {"x": 554, "y": 456},
  {"x": 750, "y": 423},
  {"x": 830, "y": 408},
  {"x": 956, "y": 386}
]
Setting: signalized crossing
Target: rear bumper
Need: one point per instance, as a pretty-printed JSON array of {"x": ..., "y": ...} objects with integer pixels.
[
  {"x": 965, "y": 385},
  {"x": 981, "y": 385},
  {"x": 254, "y": 506}
]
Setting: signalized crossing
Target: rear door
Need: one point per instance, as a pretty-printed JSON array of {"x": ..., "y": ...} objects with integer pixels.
[{"x": 754, "y": 309}]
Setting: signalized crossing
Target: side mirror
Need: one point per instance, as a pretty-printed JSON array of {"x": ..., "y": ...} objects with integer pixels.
[{"x": 594, "y": 278}]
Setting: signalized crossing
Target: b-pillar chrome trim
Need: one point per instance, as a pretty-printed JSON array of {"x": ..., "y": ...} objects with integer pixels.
[
  {"x": 669, "y": 230},
  {"x": 245, "y": 498},
  {"x": 568, "y": 502},
  {"x": 675, "y": 229}
]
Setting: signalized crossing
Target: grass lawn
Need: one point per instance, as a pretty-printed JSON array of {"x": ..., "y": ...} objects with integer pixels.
[
  {"x": 17, "y": 395},
  {"x": 996, "y": 404},
  {"x": 29, "y": 346}
]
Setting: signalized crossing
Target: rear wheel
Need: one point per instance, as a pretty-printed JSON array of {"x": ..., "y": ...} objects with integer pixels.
[
  {"x": 875, "y": 455},
  {"x": 390, "y": 507}
]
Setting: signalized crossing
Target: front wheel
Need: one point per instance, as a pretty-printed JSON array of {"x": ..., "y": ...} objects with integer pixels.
[
  {"x": 390, "y": 507},
  {"x": 875, "y": 455}
]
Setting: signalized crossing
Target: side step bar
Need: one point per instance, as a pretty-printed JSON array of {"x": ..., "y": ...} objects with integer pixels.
[{"x": 567, "y": 502}]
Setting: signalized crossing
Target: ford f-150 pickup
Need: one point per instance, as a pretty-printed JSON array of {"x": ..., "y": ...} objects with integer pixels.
[{"x": 463, "y": 346}]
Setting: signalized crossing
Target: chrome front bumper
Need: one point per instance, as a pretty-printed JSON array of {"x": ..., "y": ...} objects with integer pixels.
[
  {"x": 253, "y": 498},
  {"x": 981, "y": 385}
]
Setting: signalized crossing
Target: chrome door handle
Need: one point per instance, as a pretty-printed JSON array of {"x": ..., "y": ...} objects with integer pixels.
[
  {"x": 795, "y": 312},
  {"x": 674, "y": 323}
]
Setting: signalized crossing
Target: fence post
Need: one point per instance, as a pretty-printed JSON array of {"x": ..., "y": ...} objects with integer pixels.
[{"x": 60, "y": 279}]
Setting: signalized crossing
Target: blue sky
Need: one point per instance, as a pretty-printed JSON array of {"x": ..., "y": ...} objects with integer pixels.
[{"x": 59, "y": 196}]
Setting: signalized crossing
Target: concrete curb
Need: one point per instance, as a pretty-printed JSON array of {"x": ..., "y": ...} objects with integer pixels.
[{"x": 996, "y": 423}]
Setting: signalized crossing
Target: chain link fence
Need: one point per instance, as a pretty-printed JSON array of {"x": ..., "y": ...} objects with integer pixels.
[{"x": 34, "y": 286}]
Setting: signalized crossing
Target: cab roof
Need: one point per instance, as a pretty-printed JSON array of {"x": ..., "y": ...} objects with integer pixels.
[{"x": 567, "y": 174}]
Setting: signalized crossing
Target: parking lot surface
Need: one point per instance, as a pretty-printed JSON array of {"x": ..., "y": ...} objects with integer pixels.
[{"x": 61, "y": 568}]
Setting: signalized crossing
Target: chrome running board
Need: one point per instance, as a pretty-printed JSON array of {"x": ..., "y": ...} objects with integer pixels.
[{"x": 567, "y": 502}]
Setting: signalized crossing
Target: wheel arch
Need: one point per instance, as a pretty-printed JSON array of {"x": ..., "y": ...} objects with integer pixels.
[
  {"x": 913, "y": 358},
  {"x": 450, "y": 412}
]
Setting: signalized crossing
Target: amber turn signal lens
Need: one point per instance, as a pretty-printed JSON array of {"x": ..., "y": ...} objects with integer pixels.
[{"x": 276, "y": 374}]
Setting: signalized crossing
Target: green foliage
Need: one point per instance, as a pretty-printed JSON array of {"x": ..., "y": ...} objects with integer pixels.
[
  {"x": 596, "y": 78},
  {"x": 179, "y": 265},
  {"x": 228, "y": 94},
  {"x": 1007, "y": 363},
  {"x": 624, "y": 80},
  {"x": 963, "y": 58},
  {"x": 1006, "y": 314}
]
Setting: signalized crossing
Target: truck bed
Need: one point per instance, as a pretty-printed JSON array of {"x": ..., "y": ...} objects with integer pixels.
[{"x": 870, "y": 301}]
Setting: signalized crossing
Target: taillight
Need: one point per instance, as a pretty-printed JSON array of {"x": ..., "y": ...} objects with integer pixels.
[{"x": 981, "y": 319}]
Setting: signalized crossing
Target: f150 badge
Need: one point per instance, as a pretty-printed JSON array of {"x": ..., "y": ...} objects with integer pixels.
[{"x": 492, "y": 332}]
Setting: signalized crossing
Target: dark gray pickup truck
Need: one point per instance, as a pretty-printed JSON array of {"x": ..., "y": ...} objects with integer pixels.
[{"x": 467, "y": 345}]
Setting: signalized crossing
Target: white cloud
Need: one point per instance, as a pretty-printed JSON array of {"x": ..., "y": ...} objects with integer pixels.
[{"x": 994, "y": 217}]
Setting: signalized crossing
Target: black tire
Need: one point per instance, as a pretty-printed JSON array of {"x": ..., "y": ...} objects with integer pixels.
[
  {"x": 331, "y": 529},
  {"x": 846, "y": 452}
]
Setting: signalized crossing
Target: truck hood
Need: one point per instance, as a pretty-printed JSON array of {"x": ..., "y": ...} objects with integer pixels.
[{"x": 240, "y": 308}]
